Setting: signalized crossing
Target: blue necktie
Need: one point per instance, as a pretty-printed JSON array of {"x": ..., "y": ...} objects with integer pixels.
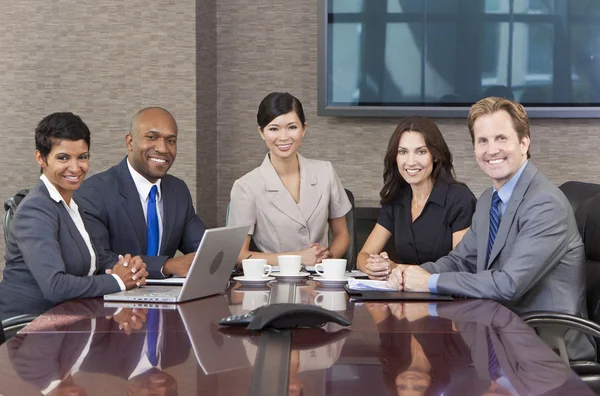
[
  {"x": 152, "y": 333},
  {"x": 152, "y": 221},
  {"x": 493, "y": 365},
  {"x": 494, "y": 223}
]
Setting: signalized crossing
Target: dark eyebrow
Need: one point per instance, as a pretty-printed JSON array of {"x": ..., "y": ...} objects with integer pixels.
[{"x": 154, "y": 132}]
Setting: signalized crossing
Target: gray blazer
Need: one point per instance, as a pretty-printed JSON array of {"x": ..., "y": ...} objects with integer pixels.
[
  {"x": 530, "y": 366},
  {"x": 261, "y": 199},
  {"x": 537, "y": 262},
  {"x": 47, "y": 260},
  {"x": 112, "y": 207}
]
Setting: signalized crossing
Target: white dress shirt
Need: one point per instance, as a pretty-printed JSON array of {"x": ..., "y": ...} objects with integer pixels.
[
  {"x": 75, "y": 369},
  {"x": 144, "y": 363},
  {"x": 73, "y": 211},
  {"x": 143, "y": 187}
]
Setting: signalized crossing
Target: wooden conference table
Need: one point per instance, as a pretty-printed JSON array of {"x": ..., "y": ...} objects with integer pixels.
[{"x": 82, "y": 348}]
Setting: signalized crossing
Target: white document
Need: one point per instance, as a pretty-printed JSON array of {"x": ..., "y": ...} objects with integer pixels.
[{"x": 368, "y": 284}]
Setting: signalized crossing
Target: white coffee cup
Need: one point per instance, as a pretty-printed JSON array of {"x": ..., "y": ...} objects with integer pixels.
[
  {"x": 255, "y": 299},
  {"x": 255, "y": 268},
  {"x": 289, "y": 264},
  {"x": 333, "y": 301},
  {"x": 331, "y": 268}
]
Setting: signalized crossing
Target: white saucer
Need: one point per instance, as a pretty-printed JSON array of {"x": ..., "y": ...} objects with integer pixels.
[
  {"x": 300, "y": 275},
  {"x": 332, "y": 282},
  {"x": 253, "y": 282}
]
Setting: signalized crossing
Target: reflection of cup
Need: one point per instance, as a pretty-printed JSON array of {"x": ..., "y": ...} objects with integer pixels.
[
  {"x": 289, "y": 264},
  {"x": 254, "y": 299},
  {"x": 255, "y": 268},
  {"x": 334, "y": 301},
  {"x": 332, "y": 268}
]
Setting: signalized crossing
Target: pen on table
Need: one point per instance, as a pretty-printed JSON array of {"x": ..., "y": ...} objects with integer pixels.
[{"x": 248, "y": 257}]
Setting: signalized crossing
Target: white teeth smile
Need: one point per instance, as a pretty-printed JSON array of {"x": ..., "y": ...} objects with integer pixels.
[
  {"x": 496, "y": 161},
  {"x": 72, "y": 178},
  {"x": 413, "y": 171},
  {"x": 284, "y": 146},
  {"x": 158, "y": 160}
]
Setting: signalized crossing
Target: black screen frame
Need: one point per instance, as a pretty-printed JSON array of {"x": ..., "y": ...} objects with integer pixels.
[{"x": 434, "y": 111}]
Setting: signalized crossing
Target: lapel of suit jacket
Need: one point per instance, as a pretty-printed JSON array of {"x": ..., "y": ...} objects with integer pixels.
[
  {"x": 279, "y": 195},
  {"x": 483, "y": 219},
  {"x": 511, "y": 209},
  {"x": 75, "y": 234},
  {"x": 310, "y": 195},
  {"x": 132, "y": 204},
  {"x": 168, "y": 203},
  {"x": 98, "y": 263}
]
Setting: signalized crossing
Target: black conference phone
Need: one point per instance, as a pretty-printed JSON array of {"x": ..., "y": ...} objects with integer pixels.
[{"x": 284, "y": 316}]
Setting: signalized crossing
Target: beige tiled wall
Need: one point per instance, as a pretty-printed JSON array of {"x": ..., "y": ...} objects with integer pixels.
[
  {"x": 102, "y": 60},
  {"x": 272, "y": 46},
  {"x": 106, "y": 60}
]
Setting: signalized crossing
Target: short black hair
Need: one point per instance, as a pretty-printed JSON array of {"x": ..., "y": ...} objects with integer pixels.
[
  {"x": 59, "y": 126},
  {"x": 276, "y": 104}
]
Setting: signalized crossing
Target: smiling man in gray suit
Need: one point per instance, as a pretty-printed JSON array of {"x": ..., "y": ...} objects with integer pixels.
[
  {"x": 523, "y": 248},
  {"x": 118, "y": 202}
]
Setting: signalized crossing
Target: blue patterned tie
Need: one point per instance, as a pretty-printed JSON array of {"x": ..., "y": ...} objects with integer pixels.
[
  {"x": 493, "y": 365},
  {"x": 494, "y": 223},
  {"x": 152, "y": 249},
  {"x": 152, "y": 333}
]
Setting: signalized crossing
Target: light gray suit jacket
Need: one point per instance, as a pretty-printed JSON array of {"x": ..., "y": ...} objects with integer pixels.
[
  {"x": 537, "y": 262},
  {"x": 47, "y": 260},
  {"x": 531, "y": 367}
]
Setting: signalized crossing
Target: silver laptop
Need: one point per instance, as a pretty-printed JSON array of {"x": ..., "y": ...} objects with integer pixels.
[{"x": 208, "y": 275}]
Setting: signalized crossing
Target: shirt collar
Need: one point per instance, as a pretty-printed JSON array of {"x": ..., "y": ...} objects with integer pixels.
[
  {"x": 142, "y": 184},
  {"x": 439, "y": 192},
  {"x": 54, "y": 194},
  {"x": 506, "y": 190},
  {"x": 437, "y": 195}
]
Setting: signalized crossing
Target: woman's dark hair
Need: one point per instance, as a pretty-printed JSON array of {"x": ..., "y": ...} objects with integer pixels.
[
  {"x": 59, "y": 126},
  {"x": 442, "y": 158},
  {"x": 276, "y": 104}
]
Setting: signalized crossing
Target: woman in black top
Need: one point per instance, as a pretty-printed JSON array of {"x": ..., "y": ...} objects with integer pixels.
[{"x": 422, "y": 205}]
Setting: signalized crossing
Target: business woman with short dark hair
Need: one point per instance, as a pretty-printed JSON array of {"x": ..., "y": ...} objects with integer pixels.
[{"x": 50, "y": 256}]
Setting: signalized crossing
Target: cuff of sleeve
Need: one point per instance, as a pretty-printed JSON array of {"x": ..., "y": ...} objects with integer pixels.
[
  {"x": 432, "y": 283},
  {"x": 432, "y": 309},
  {"x": 120, "y": 282}
]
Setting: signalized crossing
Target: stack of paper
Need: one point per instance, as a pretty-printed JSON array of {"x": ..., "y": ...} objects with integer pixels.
[{"x": 367, "y": 284}]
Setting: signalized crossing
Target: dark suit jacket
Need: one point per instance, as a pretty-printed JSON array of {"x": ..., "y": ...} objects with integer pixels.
[
  {"x": 114, "y": 212},
  {"x": 47, "y": 260},
  {"x": 115, "y": 353},
  {"x": 40, "y": 357}
]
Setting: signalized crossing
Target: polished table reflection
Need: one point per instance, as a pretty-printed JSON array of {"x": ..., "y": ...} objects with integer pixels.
[{"x": 464, "y": 347}]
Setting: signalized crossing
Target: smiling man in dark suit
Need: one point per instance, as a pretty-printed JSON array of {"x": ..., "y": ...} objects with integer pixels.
[{"x": 137, "y": 205}]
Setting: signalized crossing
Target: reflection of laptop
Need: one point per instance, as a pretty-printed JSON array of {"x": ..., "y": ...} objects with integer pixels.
[
  {"x": 215, "y": 352},
  {"x": 209, "y": 273}
]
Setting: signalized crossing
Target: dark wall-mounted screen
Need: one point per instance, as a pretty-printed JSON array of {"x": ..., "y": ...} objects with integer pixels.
[{"x": 437, "y": 57}]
